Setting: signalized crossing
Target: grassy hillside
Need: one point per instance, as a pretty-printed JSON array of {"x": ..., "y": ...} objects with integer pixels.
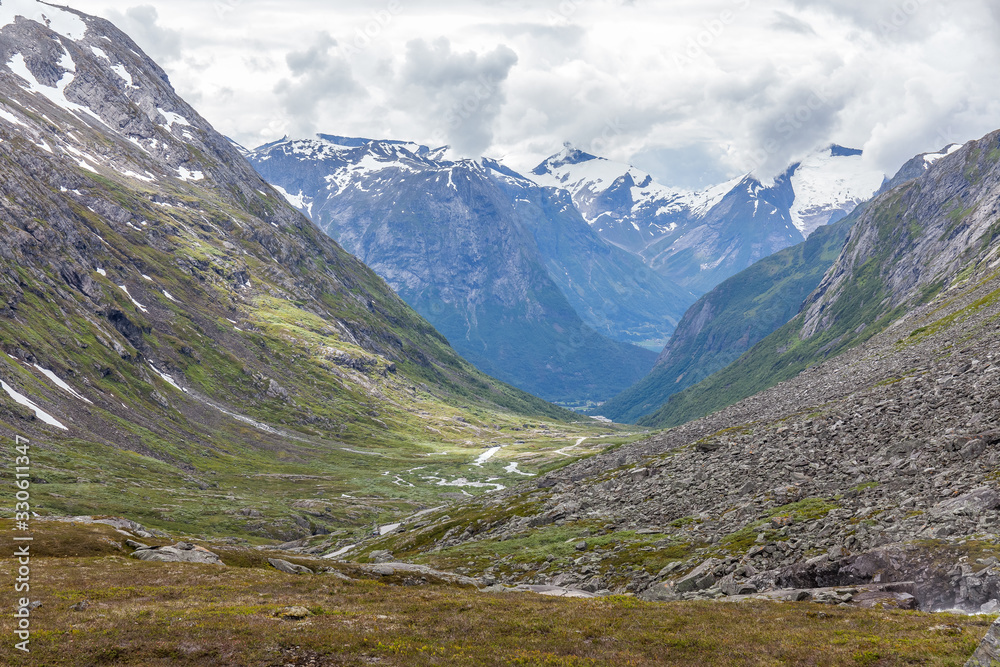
[
  {"x": 232, "y": 616},
  {"x": 185, "y": 349}
]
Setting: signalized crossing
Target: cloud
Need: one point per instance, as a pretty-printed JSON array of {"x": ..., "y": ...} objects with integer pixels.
[
  {"x": 141, "y": 24},
  {"x": 320, "y": 78},
  {"x": 693, "y": 167},
  {"x": 789, "y": 23},
  {"x": 684, "y": 88},
  {"x": 462, "y": 91}
]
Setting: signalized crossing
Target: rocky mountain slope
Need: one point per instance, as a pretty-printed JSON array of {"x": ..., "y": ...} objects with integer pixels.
[
  {"x": 907, "y": 246},
  {"x": 180, "y": 344},
  {"x": 507, "y": 271},
  {"x": 698, "y": 239},
  {"x": 736, "y": 315},
  {"x": 741, "y": 311},
  {"x": 869, "y": 479}
]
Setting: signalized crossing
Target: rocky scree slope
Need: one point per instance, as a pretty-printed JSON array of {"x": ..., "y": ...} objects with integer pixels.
[
  {"x": 907, "y": 245},
  {"x": 507, "y": 271},
  {"x": 871, "y": 478},
  {"x": 171, "y": 327}
]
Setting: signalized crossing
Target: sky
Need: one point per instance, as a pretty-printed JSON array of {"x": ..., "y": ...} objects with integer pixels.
[{"x": 692, "y": 91}]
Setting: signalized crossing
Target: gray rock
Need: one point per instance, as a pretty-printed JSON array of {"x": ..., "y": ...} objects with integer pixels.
[
  {"x": 293, "y": 613},
  {"x": 288, "y": 568},
  {"x": 729, "y": 586},
  {"x": 417, "y": 573},
  {"x": 554, "y": 591},
  {"x": 182, "y": 552},
  {"x": 988, "y": 652},
  {"x": 973, "y": 503},
  {"x": 699, "y": 578},
  {"x": 381, "y": 556}
]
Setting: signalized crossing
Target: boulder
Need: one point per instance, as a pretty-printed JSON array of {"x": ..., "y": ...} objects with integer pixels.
[
  {"x": 699, "y": 578},
  {"x": 988, "y": 652},
  {"x": 288, "y": 568},
  {"x": 293, "y": 613},
  {"x": 416, "y": 574},
  {"x": 182, "y": 552},
  {"x": 729, "y": 586},
  {"x": 381, "y": 556},
  {"x": 973, "y": 503}
]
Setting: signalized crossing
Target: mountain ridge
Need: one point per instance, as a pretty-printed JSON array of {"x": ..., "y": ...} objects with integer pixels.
[
  {"x": 908, "y": 248},
  {"x": 172, "y": 326},
  {"x": 430, "y": 225}
]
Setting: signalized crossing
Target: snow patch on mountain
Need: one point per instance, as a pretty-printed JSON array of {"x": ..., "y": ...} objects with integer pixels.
[
  {"x": 56, "y": 19},
  {"x": 28, "y": 403},
  {"x": 57, "y": 94},
  {"x": 62, "y": 384},
  {"x": 828, "y": 185},
  {"x": 931, "y": 158},
  {"x": 11, "y": 118}
]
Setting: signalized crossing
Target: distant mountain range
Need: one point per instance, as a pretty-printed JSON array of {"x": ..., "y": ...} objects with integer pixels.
[
  {"x": 508, "y": 271},
  {"x": 528, "y": 276},
  {"x": 927, "y": 232},
  {"x": 698, "y": 239}
]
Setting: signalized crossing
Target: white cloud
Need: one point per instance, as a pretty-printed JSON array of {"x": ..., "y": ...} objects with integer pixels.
[{"x": 726, "y": 84}]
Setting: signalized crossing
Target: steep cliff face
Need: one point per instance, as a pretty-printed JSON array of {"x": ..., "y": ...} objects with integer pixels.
[
  {"x": 915, "y": 241},
  {"x": 158, "y": 299},
  {"x": 507, "y": 271}
]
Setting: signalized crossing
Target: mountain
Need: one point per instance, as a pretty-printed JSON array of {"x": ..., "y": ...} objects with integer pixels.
[
  {"x": 180, "y": 344},
  {"x": 623, "y": 204},
  {"x": 698, "y": 239},
  {"x": 509, "y": 272},
  {"x": 744, "y": 309},
  {"x": 910, "y": 243},
  {"x": 736, "y": 315},
  {"x": 869, "y": 479}
]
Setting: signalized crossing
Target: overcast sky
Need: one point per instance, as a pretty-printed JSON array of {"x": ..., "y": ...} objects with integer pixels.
[{"x": 693, "y": 91}]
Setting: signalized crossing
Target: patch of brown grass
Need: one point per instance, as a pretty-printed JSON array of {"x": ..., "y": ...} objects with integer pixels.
[
  {"x": 180, "y": 614},
  {"x": 143, "y": 613}
]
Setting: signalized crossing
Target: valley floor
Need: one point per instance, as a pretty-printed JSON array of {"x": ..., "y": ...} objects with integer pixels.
[{"x": 148, "y": 613}]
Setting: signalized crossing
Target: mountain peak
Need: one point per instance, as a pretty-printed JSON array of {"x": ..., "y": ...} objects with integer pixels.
[
  {"x": 61, "y": 20},
  {"x": 841, "y": 151}
]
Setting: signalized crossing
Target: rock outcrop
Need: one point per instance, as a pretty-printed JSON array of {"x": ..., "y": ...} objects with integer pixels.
[{"x": 182, "y": 552}]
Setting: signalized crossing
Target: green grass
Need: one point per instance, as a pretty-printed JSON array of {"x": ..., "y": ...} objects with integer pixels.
[{"x": 166, "y": 458}]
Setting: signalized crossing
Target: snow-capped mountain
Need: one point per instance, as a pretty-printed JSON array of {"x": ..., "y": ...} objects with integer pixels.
[
  {"x": 828, "y": 185},
  {"x": 700, "y": 238},
  {"x": 623, "y": 204},
  {"x": 510, "y": 272},
  {"x": 161, "y": 304}
]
